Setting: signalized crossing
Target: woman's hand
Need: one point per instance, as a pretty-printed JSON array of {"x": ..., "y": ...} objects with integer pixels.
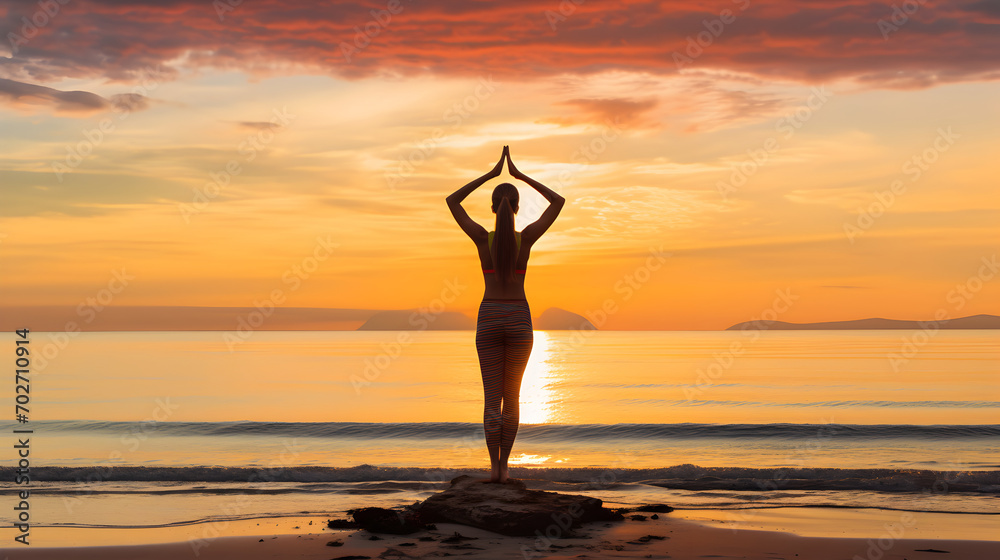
[
  {"x": 510, "y": 167},
  {"x": 455, "y": 199},
  {"x": 498, "y": 168}
]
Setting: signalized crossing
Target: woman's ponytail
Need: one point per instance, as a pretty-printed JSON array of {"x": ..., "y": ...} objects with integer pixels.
[{"x": 504, "y": 249}]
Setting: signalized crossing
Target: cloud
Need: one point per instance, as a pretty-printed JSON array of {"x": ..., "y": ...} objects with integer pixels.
[
  {"x": 258, "y": 125},
  {"x": 611, "y": 112},
  {"x": 39, "y": 193},
  {"x": 366, "y": 206},
  {"x": 707, "y": 104},
  {"x": 23, "y": 95},
  {"x": 807, "y": 42},
  {"x": 986, "y": 7},
  {"x": 129, "y": 102}
]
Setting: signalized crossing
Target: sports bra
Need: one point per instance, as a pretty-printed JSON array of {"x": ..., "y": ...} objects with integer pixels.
[{"x": 489, "y": 242}]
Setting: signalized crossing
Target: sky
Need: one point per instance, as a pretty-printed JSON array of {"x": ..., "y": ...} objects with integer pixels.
[{"x": 722, "y": 161}]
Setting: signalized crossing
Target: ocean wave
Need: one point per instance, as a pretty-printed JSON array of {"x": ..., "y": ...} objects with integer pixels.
[
  {"x": 375, "y": 479},
  {"x": 527, "y": 432}
]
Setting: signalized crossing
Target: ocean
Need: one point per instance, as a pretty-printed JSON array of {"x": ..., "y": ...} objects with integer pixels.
[{"x": 190, "y": 427}]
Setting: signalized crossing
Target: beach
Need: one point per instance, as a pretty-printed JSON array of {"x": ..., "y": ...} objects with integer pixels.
[{"x": 682, "y": 538}]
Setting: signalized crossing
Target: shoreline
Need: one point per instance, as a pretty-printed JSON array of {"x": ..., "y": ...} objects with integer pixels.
[
  {"x": 799, "y": 522},
  {"x": 683, "y": 538}
]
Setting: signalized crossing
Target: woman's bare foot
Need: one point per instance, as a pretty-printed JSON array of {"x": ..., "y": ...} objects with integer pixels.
[{"x": 494, "y": 476}]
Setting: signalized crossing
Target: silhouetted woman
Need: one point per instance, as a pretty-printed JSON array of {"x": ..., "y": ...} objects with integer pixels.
[{"x": 503, "y": 329}]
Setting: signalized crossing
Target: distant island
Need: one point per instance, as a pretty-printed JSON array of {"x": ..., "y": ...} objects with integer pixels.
[
  {"x": 414, "y": 320},
  {"x": 555, "y": 319},
  {"x": 971, "y": 322}
]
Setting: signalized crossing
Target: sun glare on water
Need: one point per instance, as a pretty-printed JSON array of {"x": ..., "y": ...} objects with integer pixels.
[
  {"x": 525, "y": 459},
  {"x": 536, "y": 395}
]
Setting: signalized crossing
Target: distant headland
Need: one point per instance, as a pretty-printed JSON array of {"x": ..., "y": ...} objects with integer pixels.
[{"x": 971, "y": 322}]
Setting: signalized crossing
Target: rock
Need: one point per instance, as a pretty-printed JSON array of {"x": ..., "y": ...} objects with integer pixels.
[
  {"x": 340, "y": 524},
  {"x": 656, "y": 508},
  {"x": 394, "y": 554},
  {"x": 511, "y": 509},
  {"x": 637, "y": 517},
  {"x": 465, "y": 546},
  {"x": 335, "y": 543},
  {"x": 381, "y": 520},
  {"x": 458, "y": 537}
]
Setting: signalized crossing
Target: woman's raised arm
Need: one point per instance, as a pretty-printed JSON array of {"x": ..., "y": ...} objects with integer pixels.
[
  {"x": 470, "y": 227},
  {"x": 535, "y": 230}
]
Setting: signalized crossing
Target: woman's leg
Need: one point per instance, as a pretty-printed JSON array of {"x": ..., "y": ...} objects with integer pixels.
[
  {"x": 517, "y": 349},
  {"x": 490, "y": 347}
]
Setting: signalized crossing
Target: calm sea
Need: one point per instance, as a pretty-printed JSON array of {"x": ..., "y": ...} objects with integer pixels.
[{"x": 325, "y": 421}]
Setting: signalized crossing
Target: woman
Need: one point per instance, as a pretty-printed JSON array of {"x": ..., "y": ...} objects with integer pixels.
[{"x": 503, "y": 330}]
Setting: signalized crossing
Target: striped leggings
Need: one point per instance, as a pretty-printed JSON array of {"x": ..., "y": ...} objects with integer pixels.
[{"x": 503, "y": 340}]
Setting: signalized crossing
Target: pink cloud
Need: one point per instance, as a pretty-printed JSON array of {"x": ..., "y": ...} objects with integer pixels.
[{"x": 807, "y": 41}]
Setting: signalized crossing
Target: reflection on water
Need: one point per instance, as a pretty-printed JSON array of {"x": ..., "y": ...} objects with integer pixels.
[
  {"x": 528, "y": 460},
  {"x": 536, "y": 385}
]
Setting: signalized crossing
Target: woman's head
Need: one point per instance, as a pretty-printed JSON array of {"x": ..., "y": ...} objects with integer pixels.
[{"x": 505, "y": 190}]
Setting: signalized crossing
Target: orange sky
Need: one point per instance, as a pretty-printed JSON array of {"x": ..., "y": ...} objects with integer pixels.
[{"x": 219, "y": 157}]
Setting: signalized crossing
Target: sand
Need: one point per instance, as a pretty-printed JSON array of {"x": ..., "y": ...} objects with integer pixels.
[{"x": 630, "y": 539}]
